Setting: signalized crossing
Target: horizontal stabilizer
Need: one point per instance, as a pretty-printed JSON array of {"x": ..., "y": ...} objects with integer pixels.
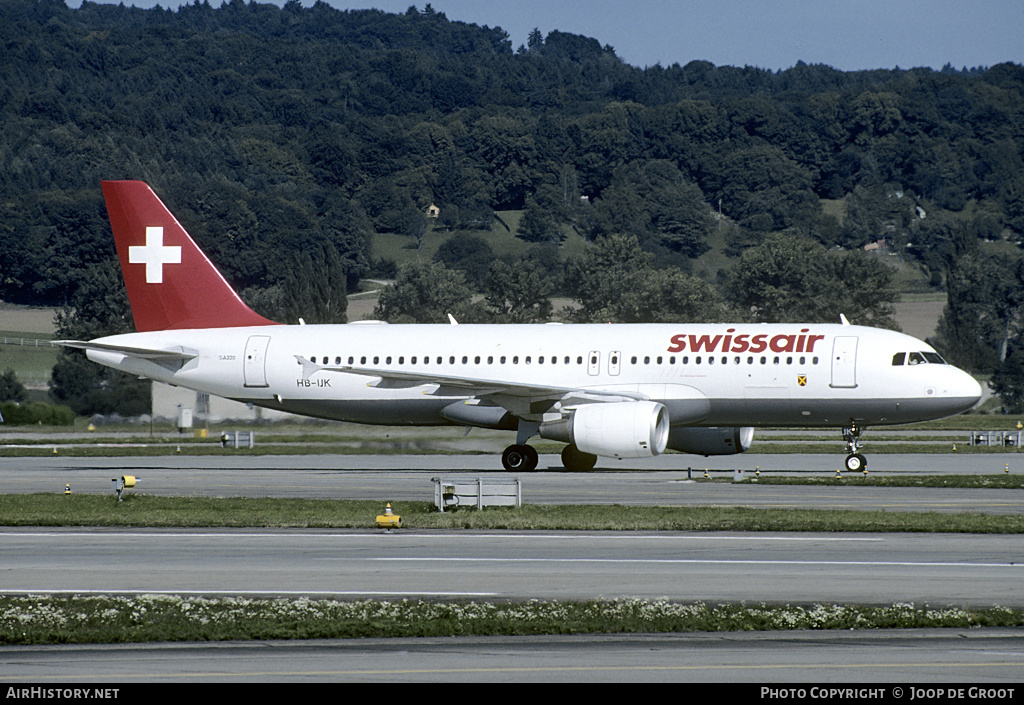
[{"x": 178, "y": 353}]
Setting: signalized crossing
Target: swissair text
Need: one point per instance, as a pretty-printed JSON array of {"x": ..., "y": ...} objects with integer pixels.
[{"x": 745, "y": 342}]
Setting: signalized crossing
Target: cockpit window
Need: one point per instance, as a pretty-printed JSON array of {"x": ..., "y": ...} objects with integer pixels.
[{"x": 917, "y": 358}]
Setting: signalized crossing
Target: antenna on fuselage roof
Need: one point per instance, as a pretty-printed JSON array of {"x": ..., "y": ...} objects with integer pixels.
[
  {"x": 451, "y": 319},
  {"x": 842, "y": 319}
]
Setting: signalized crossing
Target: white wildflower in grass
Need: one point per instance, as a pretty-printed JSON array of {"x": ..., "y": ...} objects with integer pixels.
[{"x": 168, "y": 617}]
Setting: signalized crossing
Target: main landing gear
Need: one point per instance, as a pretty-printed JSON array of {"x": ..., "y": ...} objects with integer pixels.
[
  {"x": 575, "y": 460},
  {"x": 520, "y": 457},
  {"x": 523, "y": 458},
  {"x": 855, "y": 462}
]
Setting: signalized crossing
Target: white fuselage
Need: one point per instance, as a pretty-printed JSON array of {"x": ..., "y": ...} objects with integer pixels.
[{"x": 705, "y": 375}]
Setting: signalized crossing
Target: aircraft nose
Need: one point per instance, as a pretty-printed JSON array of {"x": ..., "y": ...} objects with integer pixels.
[{"x": 964, "y": 389}]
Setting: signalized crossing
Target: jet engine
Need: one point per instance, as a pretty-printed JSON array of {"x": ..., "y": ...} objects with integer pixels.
[
  {"x": 715, "y": 440},
  {"x": 628, "y": 429}
]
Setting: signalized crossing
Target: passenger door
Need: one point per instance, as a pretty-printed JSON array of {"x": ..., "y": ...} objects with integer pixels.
[
  {"x": 844, "y": 361},
  {"x": 255, "y": 364}
]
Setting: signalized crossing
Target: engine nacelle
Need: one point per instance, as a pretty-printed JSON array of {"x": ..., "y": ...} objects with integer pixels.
[
  {"x": 716, "y": 440},
  {"x": 627, "y": 429}
]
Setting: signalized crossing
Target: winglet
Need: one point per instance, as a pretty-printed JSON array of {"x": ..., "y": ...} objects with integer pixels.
[{"x": 171, "y": 284}]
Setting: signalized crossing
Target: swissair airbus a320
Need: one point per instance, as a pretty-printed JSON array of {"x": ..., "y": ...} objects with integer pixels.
[{"x": 608, "y": 390}]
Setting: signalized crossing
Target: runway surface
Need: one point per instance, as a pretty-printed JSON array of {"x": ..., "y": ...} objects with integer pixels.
[
  {"x": 941, "y": 570},
  {"x": 946, "y": 569},
  {"x": 883, "y": 661}
]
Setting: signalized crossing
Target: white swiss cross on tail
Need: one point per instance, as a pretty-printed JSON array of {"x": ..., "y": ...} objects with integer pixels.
[{"x": 154, "y": 254}]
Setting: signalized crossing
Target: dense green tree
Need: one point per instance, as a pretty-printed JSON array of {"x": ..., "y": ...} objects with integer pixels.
[
  {"x": 459, "y": 192},
  {"x": 653, "y": 200},
  {"x": 678, "y": 213},
  {"x": 426, "y": 292},
  {"x": 791, "y": 278},
  {"x": 505, "y": 148},
  {"x": 10, "y": 388},
  {"x": 538, "y": 225},
  {"x": 762, "y": 188},
  {"x": 1008, "y": 379},
  {"x": 604, "y": 141},
  {"x": 389, "y": 206},
  {"x": 315, "y": 288},
  {"x": 54, "y": 255},
  {"x": 671, "y": 295},
  {"x": 616, "y": 282},
  {"x": 468, "y": 253},
  {"x": 876, "y": 211},
  {"x": 985, "y": 299},
  {"x": 518, "y": 292},
  {"x": 597, "y": 279}
]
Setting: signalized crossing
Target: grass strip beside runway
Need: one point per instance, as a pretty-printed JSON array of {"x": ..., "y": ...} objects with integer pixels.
[
  {"x": 140, "y": 510},
  {"x": 76, "y": 619}
]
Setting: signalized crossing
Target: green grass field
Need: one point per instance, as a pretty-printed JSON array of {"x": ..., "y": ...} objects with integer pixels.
[
  {"x": 137, "y": 510},
  {"x": 29, "y": 355}
]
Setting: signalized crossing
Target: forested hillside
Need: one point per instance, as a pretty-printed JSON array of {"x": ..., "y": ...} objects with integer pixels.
[{"x": 285, "y": 138}]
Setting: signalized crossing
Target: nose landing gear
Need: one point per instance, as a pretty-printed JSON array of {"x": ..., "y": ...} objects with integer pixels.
[{"x": 854, "y": 461}]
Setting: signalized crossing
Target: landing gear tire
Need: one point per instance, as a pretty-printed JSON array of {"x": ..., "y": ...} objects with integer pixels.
[
  {"x": 856, "y": 462},
  {"x": 575, "y": 460},
  {"x": 522, "y": 458}
]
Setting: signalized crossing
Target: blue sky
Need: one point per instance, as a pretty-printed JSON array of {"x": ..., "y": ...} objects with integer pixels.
[{"x": 772, "y": 34}]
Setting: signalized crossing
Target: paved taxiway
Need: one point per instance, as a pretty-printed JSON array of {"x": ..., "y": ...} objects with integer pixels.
[
  {"x": 872, "y": 568},
  {"x": 409, "y": 478}
]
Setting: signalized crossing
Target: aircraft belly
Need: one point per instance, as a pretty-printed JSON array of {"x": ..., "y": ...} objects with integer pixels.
[
  {"x": 766, "y": 405},
  {"x": 392, "y": 412},
  {"x": 818, "y": 412}
]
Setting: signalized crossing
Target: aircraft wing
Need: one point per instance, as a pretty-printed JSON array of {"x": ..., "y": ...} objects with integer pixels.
[
  {"x": 520, "y": 399},
  {"x": 178, "y": 353}
]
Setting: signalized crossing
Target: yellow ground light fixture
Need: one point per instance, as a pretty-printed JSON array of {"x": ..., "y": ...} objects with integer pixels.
[
  {"x": 127, "y": 482},
  {"x": 389, "y": 520}
]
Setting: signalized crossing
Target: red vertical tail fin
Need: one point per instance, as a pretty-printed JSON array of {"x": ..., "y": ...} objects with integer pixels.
[{"x": 171, "y": 284}]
